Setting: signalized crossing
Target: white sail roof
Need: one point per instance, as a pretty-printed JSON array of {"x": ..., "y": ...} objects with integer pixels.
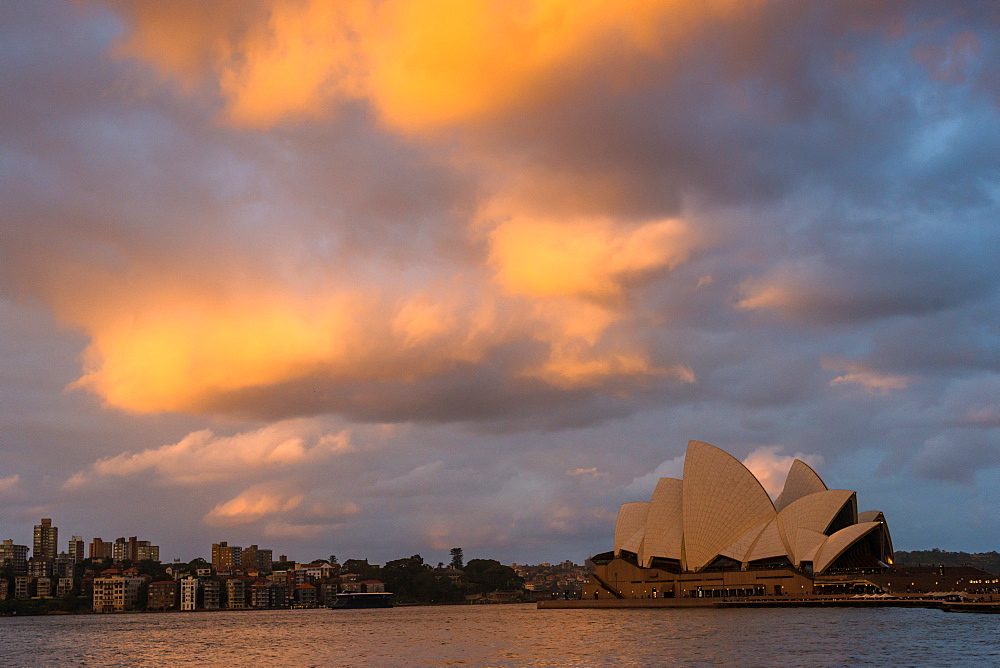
[
  {"x": 837, "y": 544},
  {"x": 768, "y": 544},
  {"x": 720, "y": 509},
  {"x": 631, "y": 518},
  {"x": 722, "y": 500},
  {"x": 801, "y": 481},
  {"x": 664, "y": 527},
  {"x": 814, "y": 512}
]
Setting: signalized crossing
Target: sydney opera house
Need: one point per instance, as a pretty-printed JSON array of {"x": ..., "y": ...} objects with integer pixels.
[{"x": 717, "y": 533}]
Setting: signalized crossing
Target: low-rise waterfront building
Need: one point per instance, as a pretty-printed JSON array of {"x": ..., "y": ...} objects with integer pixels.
[
  {"x": 326, "y": 592},
  {"x": 260, "y": 594},
  {"x": 211, "y": 594},
  {"x": 279, "y": 595},
  {"x": 162, "y": 595},
  {"x": 64, "y": 587},
  {"x": 372, "y": 587},
  {"x": 39, "y": 568},
  {"x": 236, "y": 595},
  {"x": 43, "y": 587},
  {"x": 22, "y": 586},
  {"x": 305, "y": 596},
  {"x": 116, "y": 593},
  {"x": 189, "y": 593},
  {"x": 318, "y": 570}
]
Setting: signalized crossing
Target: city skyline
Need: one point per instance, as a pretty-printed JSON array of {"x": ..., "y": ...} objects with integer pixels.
[{"x": 400, "y": 276}]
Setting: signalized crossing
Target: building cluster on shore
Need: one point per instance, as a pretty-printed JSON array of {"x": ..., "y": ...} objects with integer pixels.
[
  {"x": 126, "y": 574},
  {"x": 546, "y": 580}
]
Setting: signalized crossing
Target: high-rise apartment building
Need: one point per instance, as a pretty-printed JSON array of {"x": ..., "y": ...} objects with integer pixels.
[
  {"x": 46, "y": 540},
  {"x": 119, "y": 549},
  {"x": 145, "y": 551},
  {"x": 63, "y": 566},
  {"x": 225, "y": 557},
  {"x": 75, "y": 549},
  {"x": 257, "y": 559},
  {"x": 248, "y": 558},
  {"x": 15, "y": 556},
  {"x": 99, "y": 549}
]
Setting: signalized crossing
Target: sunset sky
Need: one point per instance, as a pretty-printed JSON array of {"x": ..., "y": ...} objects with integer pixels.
[{"x": 382, "y": 278}]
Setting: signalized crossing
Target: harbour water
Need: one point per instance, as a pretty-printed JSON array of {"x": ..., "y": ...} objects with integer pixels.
[{"x": 506, "y": 635}]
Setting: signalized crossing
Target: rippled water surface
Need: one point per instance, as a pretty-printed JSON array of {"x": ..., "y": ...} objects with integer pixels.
[{"x": 508, "y": 635}]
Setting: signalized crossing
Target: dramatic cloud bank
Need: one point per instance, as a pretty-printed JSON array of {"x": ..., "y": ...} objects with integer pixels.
[{"x": 440, "y": 273}]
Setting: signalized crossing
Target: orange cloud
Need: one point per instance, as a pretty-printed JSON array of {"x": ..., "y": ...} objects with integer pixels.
[
  {"x": 575, "y": 273},
  {"x": 252, "y": 505},
  {"x": 179, "y": 347},
  {"x": 187, "y": 338},
  {"x": 560, "y": 281},
  {"x": 202, "y": 456},
  {"x": 771, "y": 468},
  {"x": 870, "y": 381},
  {"x": 594, "y": 258},
  {"x": 424, "y": 64}
]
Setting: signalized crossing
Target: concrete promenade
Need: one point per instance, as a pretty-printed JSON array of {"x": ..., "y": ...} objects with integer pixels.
[
  {"x": 626, "y": 603},
  {"x": 807, "y": 602}
]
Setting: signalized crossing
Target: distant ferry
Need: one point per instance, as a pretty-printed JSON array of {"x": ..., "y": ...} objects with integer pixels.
[{"x": 367, "y": 600}]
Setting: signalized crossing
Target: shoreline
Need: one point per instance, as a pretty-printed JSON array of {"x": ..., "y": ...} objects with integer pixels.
[{"x": 638, "y": 603}]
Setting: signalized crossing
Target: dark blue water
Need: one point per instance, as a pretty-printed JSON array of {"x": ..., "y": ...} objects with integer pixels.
[{"x": 510, "y": 635}]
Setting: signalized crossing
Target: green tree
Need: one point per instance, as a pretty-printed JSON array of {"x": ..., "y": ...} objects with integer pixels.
[
  {"x": 457, "y": 558},
  {"x": 364, "y": 570},
  {"x": 486, "y": 575},
  {"x": 413, "y": 581},
  {"x": 199, "y": 562}
]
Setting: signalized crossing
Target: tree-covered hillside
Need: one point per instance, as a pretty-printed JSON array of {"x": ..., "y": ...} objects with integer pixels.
[{"x": 988, "y": 561}]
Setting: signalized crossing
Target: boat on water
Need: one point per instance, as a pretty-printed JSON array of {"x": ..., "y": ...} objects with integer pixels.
[{"x": 363, "y": 600}]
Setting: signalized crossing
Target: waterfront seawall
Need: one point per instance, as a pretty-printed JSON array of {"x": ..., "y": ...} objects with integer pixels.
[{"x": 626, "y": 603}]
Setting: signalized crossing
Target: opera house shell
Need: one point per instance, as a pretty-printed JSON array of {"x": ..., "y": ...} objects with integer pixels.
[{"x": 717, "y": 532}]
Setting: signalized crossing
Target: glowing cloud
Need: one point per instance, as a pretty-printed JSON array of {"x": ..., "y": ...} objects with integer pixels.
[
  {"x": 424, "y": 64},
  {"x": 202, "y": 457},
  {"x": 177, "y": 350},
  {"x": 771, "y": 468},
  {"x": 590, "y": 258},
  {"x": 252, "y": 505},
  {"x": 10, "y": 483},
  {"x": 870, "y": 381}
]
